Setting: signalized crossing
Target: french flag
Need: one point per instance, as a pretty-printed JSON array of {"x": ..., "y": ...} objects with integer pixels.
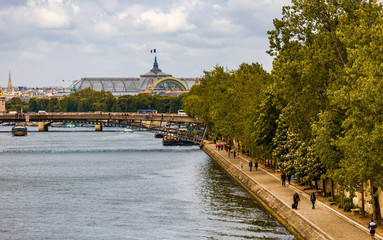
[{"x": 153, "y": 51}]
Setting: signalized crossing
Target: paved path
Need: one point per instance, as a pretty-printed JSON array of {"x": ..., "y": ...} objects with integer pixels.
[{"x": 332, "y": 223}]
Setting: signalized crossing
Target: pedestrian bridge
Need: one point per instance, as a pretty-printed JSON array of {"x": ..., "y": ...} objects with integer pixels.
[{"x": 180, "y": 126}]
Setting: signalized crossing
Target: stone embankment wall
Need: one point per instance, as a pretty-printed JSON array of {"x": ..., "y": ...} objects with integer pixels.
[{"x": 291, "y": 219}]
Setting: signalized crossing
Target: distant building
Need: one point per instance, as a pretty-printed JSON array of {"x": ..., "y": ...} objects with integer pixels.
[
  {"x": 153, "y": 82},
  {"x": 2, "y": 102},
  {"x": 9, "y": 88}
]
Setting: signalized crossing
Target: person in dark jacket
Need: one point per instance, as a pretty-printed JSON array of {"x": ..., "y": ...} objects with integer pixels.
[
  {"x": 313, "y": 199},
  {"x": 256, "y": 165},
  {"x": 250, "y": 165},
  {"x": 296, "y": 200},
  {"x": 289, "y": 178},
  {"x": 283, "y": 178}
]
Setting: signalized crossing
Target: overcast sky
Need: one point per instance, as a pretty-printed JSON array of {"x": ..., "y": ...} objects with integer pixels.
[{"x": 43, "y": 42}]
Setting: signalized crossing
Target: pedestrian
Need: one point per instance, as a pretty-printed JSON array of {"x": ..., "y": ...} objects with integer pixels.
[
  {"x": 221, "y": 147},
  {"x": 283, "y": 178},
  {"x": 256, "y": 165},
  {"x": 250, "y": 165},
  {"x": 237, "y": 153},
  {"x": 228, "y": 153},
  {"x": 296, "y": 200},
  {"x": 372, "y": 227},
  {"x": 312, "y": 199},
  {"x": 289, "y": 178},
  {"x": 234, "y": 154},
  {"x": 216, "y": 146},
  {"x": 241, "y": 165}
]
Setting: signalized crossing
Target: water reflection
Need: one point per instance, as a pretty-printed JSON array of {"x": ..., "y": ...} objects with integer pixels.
[{"x": 227, "y": 205}]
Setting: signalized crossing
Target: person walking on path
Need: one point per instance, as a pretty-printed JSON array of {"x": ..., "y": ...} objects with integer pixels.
[
  {"x": 372, "y": 227},
  {"x": 250, "y": 165},
  {"x": 289, "y": 178},
  {"x": 296, "y": 200},
  {"x": 313, "y": 199},
  {"x": 256, "y": 165},
  {"x": 283, "y": 178},
  {"x": 241, "y": 165},
  {"x": 235, "y": 153}
]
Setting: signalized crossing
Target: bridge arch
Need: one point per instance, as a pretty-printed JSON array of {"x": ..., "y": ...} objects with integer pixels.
[{"x": 171, "y": 83}]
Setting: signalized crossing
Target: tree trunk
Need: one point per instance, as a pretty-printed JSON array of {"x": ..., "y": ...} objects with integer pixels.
[
  {"x": 332, "y": 189},
  {"x": 324, "y": 188},
  {"x": 375, "y": 206},
  {"x": 363, "y": 209}
]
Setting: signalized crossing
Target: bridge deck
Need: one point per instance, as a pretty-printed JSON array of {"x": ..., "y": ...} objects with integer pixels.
[
  {"x": 181, "y": 127},
  {"x": 94, "y": 117}
]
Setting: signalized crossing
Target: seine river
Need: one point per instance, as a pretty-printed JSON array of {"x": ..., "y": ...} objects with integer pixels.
[{"x": 81, "y": 184}]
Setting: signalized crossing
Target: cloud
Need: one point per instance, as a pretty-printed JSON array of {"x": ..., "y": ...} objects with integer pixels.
[
  {"x": 32, "y": 56},
  {"x": 158, "y": 21},
  {"x": 40, "y": 14},
  {"x": 113, "y": 37}
]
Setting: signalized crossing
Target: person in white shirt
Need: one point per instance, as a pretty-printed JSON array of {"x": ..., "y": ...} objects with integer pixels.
[{"x": 372, "y": 227}]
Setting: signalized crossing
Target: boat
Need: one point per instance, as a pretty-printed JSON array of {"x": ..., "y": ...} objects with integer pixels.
[
  {"x": 159, "y": 135},
  {"x": 63, "y": 125},
  {"x": 87, "y": 125},
  {"x": 19, "y": 131},
  {"x": 169, "y": 141},
  {"x": 185, "y": 143},
  {"x": 128, "y": 130}
]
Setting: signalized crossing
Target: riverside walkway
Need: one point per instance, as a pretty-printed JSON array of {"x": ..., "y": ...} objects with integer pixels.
[{"x": 327, "y": 222}]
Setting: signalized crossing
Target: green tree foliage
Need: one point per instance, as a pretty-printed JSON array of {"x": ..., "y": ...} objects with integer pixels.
[
  {"x": 286, "y": 145},
  {"x": 308, "y": 55},
  {"x": 15, "y": 104},
  {"x": 264, "y": 127},
  {"x": 227, "y": 100},
  {"x": 88, "y": 100}
]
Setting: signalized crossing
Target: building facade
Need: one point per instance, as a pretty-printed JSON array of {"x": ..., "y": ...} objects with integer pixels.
[{"x": 153, "y": 82}]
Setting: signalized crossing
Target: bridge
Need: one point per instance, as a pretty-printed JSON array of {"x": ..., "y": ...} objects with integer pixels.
[{"x": 181, "y": 127}]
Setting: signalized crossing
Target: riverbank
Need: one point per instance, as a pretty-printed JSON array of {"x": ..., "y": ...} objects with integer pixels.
[{"x": 323, "y": 222}]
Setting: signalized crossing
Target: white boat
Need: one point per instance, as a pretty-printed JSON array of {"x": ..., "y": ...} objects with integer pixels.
[{"x": 128, "y": 130}]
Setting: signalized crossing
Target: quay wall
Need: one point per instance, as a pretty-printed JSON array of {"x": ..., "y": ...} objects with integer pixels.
[{"x": 289, "y": 218}]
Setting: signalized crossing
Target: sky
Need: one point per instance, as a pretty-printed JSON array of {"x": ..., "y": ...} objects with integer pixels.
[{"x": 54, "y": 42}]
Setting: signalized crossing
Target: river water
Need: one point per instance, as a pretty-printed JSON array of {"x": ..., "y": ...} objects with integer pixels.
[{"x": 81, "y": 184}]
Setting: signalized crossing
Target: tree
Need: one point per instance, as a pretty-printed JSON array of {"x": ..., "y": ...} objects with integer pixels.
[
  {"x": 361, "y": 98},
  {"x": 33, "y": 105},
  {"x": 15, "y": 104},
  {"x": 308, "y": 57},
  {"x": 53, "y": 105},
  {"x": 264, "y": 127},
  {"x": 285, "y": 147}
]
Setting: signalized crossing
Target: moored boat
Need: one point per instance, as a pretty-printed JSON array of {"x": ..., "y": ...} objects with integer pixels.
[
  {"x": 63, "y": 125},
  {"x": 159, "y": 135},
  {"x": 128, "y": 130},
  {"x": 19, "y": 131},
  {"x": 185, "y": 143},
  {"x": 169, "y": 141}
]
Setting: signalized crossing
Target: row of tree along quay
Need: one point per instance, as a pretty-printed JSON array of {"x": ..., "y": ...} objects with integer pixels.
[
  {"x": 88, "y": 100},
  {"x": 318, "y": 114}
]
